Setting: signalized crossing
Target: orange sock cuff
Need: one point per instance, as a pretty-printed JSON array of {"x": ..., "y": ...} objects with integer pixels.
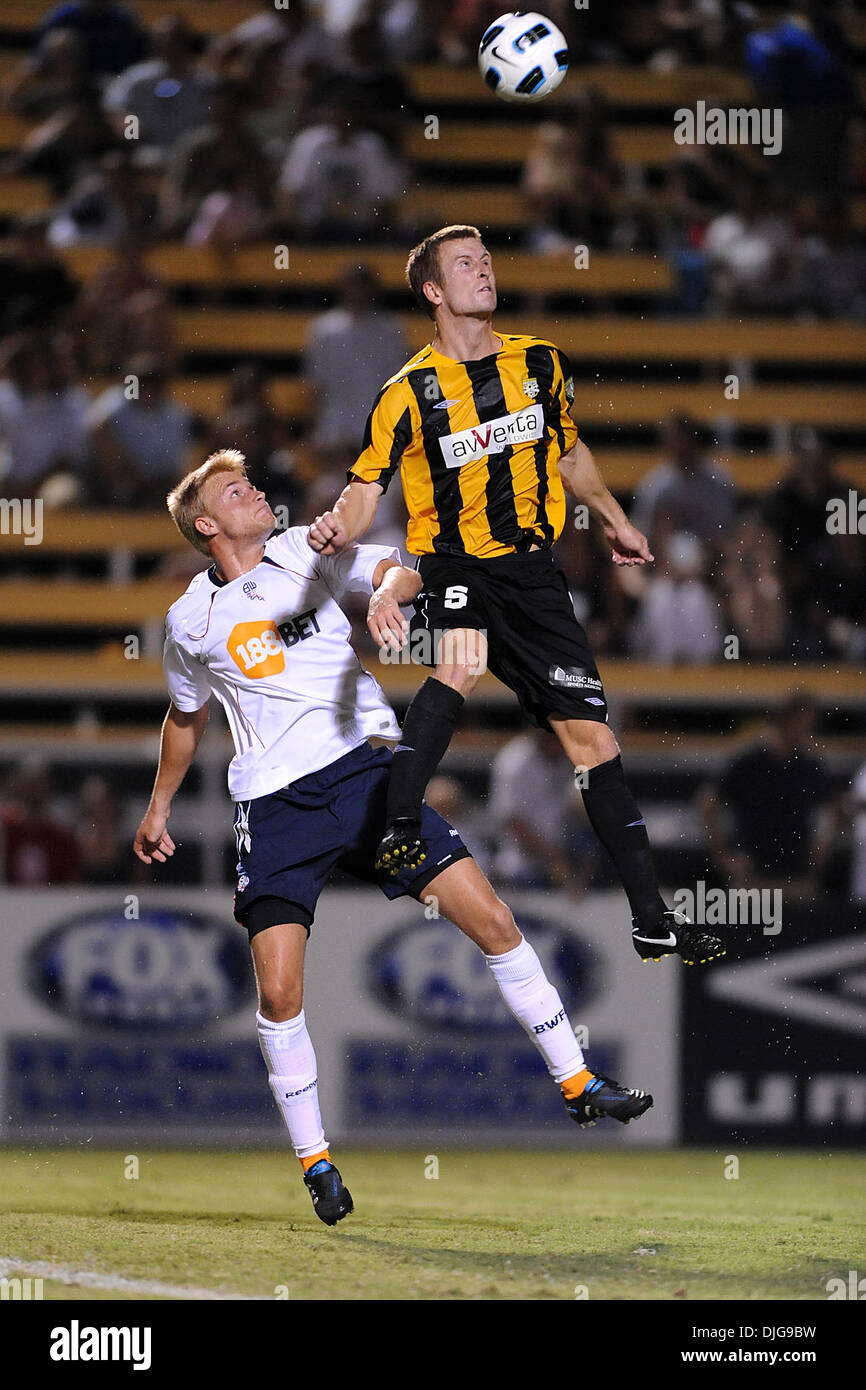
[
  {"x": 314, "y": 1158},
  {"x": 573, "y": 1086}
]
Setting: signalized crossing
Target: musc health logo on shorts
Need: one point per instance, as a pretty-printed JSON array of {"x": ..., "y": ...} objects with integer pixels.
[{"x": 166, "y": 969}]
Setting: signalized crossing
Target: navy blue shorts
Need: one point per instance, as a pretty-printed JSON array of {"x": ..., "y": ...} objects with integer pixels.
[{"x": 290, "y": 841}]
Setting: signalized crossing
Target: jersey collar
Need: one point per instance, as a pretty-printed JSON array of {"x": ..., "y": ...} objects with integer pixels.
[{"x": 221, "y": 583}]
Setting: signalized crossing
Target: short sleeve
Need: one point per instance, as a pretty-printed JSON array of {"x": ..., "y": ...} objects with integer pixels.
[
  {"x": 351, "y": 571},
  {"x": 563, "y": 396},
  {"x": 188, "y": 685},
  {"x": 387, "y": 435}
]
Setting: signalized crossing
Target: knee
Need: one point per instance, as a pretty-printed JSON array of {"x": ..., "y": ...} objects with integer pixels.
[
  {"x": 461, "y": 678},
  {"x": 280, "y": 1003},
  {"x": 500, "y": 930},
  {"x": 586, "y": 742}
]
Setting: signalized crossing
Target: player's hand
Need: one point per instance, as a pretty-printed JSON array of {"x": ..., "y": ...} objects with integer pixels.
[
  {"x": 327, "y": 535},
  {"x": 387, "y": 625},
  {"x": 629, "y": 546},
  {"x": 152, "y": 840}
]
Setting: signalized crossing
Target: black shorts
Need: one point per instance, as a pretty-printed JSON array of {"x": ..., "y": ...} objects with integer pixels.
[
  {"x": 535, "y": 645},
  {"x": 291, "y": 841}
]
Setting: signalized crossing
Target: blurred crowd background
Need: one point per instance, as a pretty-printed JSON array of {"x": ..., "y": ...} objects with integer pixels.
[{"x": 157, "y": 159}]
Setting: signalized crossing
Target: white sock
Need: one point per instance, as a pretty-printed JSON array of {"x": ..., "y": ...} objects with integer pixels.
[
  {"x": 291, "y": 1064},
  {"x": 536, "y": 1005}
]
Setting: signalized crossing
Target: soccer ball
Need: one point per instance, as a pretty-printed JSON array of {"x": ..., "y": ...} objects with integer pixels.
[{"x": 523, "y": 56}]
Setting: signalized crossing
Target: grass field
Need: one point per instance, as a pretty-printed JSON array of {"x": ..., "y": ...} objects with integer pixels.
[{"x": 492, "y": 1226}]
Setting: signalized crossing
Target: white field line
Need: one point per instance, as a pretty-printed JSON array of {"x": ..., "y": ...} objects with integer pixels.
[{"x": 115, "y": 1283}]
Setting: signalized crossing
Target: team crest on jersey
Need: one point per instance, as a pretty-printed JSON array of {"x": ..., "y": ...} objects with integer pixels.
[
  {"x": 250, "y": 590},
  {"x": 530, "y": 387},
  {"x": 569, "y": 389}
]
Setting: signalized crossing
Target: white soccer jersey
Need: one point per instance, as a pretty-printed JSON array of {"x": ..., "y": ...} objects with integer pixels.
[{"x": 274, "y": 647}]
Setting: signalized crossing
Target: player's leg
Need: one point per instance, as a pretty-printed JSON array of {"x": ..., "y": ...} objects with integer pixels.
[
  {"x": 278, "y": 959},
  {"x": 427, "y": 730},
  {"x": 465, "y": 896},
  {"x": 617, "y": 821}
]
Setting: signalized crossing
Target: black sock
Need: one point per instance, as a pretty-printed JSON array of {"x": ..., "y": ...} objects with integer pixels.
[
  {"x": 618, "y": 823},
  {"x": 430, "y": 721}
]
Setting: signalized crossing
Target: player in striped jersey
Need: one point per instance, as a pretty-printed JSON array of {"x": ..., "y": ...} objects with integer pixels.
[{"x": 478, "y": 425}]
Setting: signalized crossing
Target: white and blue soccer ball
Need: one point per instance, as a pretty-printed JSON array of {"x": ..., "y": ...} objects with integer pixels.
[{"x": 523, "y": 56}]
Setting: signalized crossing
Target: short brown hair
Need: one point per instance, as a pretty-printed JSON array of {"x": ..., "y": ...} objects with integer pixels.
[
  {"x": 185, "y": 501},
  {"x": 423, "y": 262}
]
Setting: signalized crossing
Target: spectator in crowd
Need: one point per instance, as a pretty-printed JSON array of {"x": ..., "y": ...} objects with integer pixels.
[
  {"x": 250, "y": 422},
  {"x": 602, "y": 604},
  {"x": 835, "y": 600},
  {"x": 692, "y": 32},
  {"x": 36, "y": 850},
  {"x": 832, "y": 268},
  {"x": 167, "y": 93},
  {"x": 800, "y": 66},
  {"x": 532, "y": 800},
  {"x": 123, "y": 310},
  {"x": 103, "y": 847},
  {"x": 233, "y": 215},
  {"x": 276, "y": 100},
  {"x": 751, "y": 253},
  {"x": 140, "y": 438},
  {"x": 448, "y": 796},
  {"x": 42, "y": 418},
  {"x": 762, "y": 814},
  {"x": 752, "y": 584},
  {"x": 339, "y": 180},
  {"x": 351, "y": 349},
  {"x": 687, "y": 493},
  {"x": 380, "y": 91},
  {"x": 49, "y": 78},
  {"x": 796, "y": 509},
  {"x": 65, "y": 147},
  {"x": 569, "y": 178},
  {"x": 109, "y": 205},
  {"x": 36, "y": 289},
  {"x": 111, "y": 36},
  {"x": 303, "y": 43},
  {"x": 209, "y": 159},
  {"x": 679, "y": 618}
]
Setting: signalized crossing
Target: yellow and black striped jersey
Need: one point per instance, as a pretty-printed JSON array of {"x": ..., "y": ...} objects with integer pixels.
[{"x": 478, "y": 445}]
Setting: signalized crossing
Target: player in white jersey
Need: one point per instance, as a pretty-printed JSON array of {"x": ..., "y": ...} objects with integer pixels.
[{"x": 263, "y": 629}]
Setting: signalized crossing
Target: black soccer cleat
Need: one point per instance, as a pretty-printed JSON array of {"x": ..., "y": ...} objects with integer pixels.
[
  {"x": 403, "y": 847},
  {"x": 331, "y": 1199},
  {"x": 677, "y": 936},
  {"x": 606, "y": 1099}
]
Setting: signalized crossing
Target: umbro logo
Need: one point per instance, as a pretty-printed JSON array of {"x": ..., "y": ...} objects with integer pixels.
[{"x": 443, "y": 405}]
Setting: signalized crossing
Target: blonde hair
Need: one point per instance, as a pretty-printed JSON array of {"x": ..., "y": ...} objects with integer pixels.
[{"x": 185, "y": 503}]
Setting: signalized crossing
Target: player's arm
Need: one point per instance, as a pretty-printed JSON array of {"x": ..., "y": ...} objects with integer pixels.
[
  {"x": 387, "y": 434},
  {"x": 181, "y": 734},
  {"x": 393, "y": 586},
  {"x": 582, "y": 479},
  {"x": 351, "y": 517}
]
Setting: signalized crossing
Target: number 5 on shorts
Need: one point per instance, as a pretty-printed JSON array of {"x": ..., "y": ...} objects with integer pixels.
[{"x": 456, "y": 596}]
